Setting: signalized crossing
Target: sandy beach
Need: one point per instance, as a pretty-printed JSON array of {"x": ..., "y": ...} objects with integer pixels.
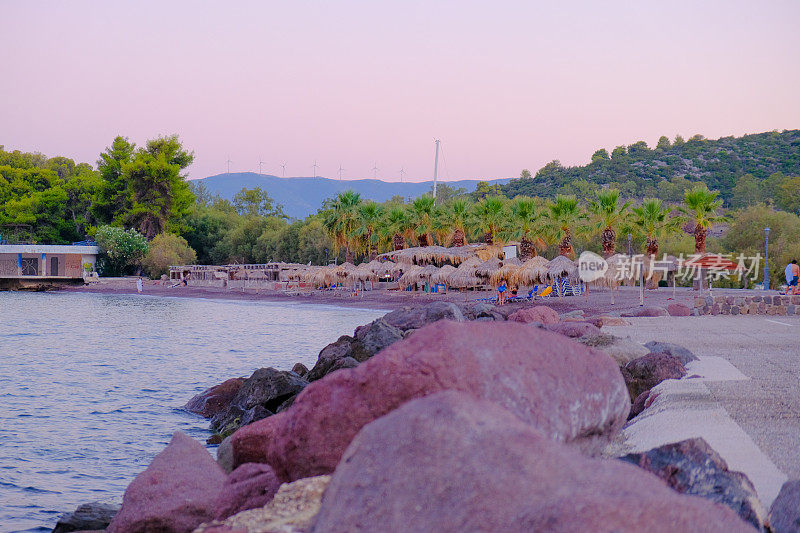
[{"x": 594, "y": 303}]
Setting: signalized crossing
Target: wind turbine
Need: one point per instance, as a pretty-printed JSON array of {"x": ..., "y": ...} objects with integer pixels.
[
  {"x": 340, "y": 172},
  {"x": 315, "y": 165},
  {"x": 375, "y": 170},
  {"x": 260, "y": 162},
  {"x": 402, "y": 173},
  {"x": 229, "y": 164},
  {"x": 283, "y": 166}
]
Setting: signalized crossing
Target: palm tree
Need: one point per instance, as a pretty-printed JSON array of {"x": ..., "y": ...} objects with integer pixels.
[
  {"x": 396, "y": 226},
  {"x": 458, "y": 215},
  {"x": 342, "y": 220},
  {"x": 701, "y": 210},
  {"x": 654, "y": 220},
  {"x": 609, "y": 214},
  {"x": 489, "y": 214},
  {"x": 370, "y": 216},
  {"x": 422, "y": 214},
  {"x": 565, "y": 219},
  {"x": 524, "y": 217}
]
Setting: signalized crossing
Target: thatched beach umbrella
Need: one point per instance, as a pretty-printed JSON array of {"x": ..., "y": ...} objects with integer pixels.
[
  {"x": 381, "y": 268},
  {"x": 409, "y": 276},
  {"x": 532, "y": 271},
  {"x": 344, "y": 269},
  {"x": 562, "y": 267},
  {"x": 444, "y": 274},
  {"x": 507, "y": 272},
  {"x": 464, "y": 277},
  {"x": 362, "y": 272},
  {"x": 488, "y": 267}
]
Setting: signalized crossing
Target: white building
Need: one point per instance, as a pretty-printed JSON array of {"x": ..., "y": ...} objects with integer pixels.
[{"x": 36, "y": 261}]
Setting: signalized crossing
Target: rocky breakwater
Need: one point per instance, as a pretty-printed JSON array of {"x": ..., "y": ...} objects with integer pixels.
[
  {"x": 452, "y": 462},
  {"x": 573, "y": 394},
  {"x": 439, "y": 418}
]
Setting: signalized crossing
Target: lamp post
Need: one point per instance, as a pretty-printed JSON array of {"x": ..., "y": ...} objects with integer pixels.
[{"x": 766, "y": 259}]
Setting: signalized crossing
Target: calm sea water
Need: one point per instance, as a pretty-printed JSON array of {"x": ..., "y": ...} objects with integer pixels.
[{"x": 91, "y": 386}]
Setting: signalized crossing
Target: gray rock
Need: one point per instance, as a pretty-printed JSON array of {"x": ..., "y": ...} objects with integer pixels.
[
  {"x": 373, "y": 338},
  {"x": 88, "y": 516},
  {"x": 693, "y": 467},
  {"x": 256, "y": 413},
  {"x": 267, "y": 388},
  {"x": 672, "y": 349},
  {"x": 415, "y": 318},
  {"x": 784, "y": 515},
  {"x": 340, "y": 349},
  {"x": 623, "y": 351},
  {"x": 345, "y": 362},
  {"x": 300, "y": 369}
]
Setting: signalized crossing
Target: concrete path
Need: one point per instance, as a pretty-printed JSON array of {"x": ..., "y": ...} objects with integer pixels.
[{"x": 737, "y": 416}]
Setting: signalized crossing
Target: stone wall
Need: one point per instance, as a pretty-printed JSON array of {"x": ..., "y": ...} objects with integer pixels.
[{"x": 747, "y": 305}]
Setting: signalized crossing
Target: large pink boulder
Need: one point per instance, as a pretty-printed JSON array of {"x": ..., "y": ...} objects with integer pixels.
[
  {"x": 214, "y": 399},
  {"x": 249, "y": 486},
  {"x": 575, "y": 329},
  {"x": 570, "y": 392},
  {"x": 452, "y": 463},
  {"x": 177, "y": 492},
  {"x": 537, "y": 313},
  {"x": 676, "y": 309}
]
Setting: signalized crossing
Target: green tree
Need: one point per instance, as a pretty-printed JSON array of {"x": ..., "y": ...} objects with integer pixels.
[
  {"x": 521, "y": 226},
  {"x": 341, "y": 221},
  {"x": 746, "y": 192},
  {"x": 370, "y": 217},
  {"x": 489, "y": 215},
  {"x": 422, "y": 215},
  {"x": 256, "y": 201},
  {"x": 564, "y": 221},
  {"x": 701, "y": 207},
  {"x": 458, "y": 213},
  {"x": 654, "y": 220},
  {"x": 787, "y": 197},
  {"x": 114, "y": 196},
  {"x": 525, "y": 174},
  {"x": 397, "y": 227},
  {"x": 600, "y": 156},
  {"x": 121, "y": 252},
  {"x": 167, "y": 250},
  {"x": 663, "y": 143},
  {"x": 609, "y": 214}
]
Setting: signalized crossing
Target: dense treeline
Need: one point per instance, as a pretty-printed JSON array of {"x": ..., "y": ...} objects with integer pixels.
[
  {"x": 143, "y": 213},
  {"x": 746, "y": 170}
]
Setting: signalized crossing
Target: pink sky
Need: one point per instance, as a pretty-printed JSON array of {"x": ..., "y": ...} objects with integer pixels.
[{"x": 504, "y": 85}]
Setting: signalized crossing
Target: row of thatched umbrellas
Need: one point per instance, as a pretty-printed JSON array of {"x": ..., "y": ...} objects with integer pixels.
[{"x": 414, "y": 266}]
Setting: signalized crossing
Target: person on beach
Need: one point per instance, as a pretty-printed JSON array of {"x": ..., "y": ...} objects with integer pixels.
[
  {"x": 139, "y": 284},
  {"x": 501, "y": 293},
  {"x": 792, "y": 273}
]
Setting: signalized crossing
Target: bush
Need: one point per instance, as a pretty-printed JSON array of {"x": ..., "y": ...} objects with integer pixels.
[
  {"x": 121, "y": 251},
  {"x": 167, "y": 250}
]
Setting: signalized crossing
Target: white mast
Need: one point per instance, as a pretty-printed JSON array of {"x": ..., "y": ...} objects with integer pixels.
[
  {"x": 315, "y": 165},
  {"x": 375, "y": 170},
  {"x": 340, "y": 172},
  {"x": 260, "y": 162},
  {"x": 435, "y": 170},
  {"x": 402, "y": 173},
  {"x": 283, "y": 166},
  {"x": 229, "y": 164}
]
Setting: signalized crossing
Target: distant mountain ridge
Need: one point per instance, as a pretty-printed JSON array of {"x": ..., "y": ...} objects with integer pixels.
[{"x": 301, "y": 197}]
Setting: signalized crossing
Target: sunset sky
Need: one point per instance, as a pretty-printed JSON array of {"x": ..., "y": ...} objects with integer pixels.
[{"x": 504, "y": 85}]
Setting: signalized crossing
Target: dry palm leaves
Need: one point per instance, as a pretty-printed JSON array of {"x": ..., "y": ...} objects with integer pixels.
[
  {"x": 562, "y": 267},
  {"x": 532, "y": 271}
]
